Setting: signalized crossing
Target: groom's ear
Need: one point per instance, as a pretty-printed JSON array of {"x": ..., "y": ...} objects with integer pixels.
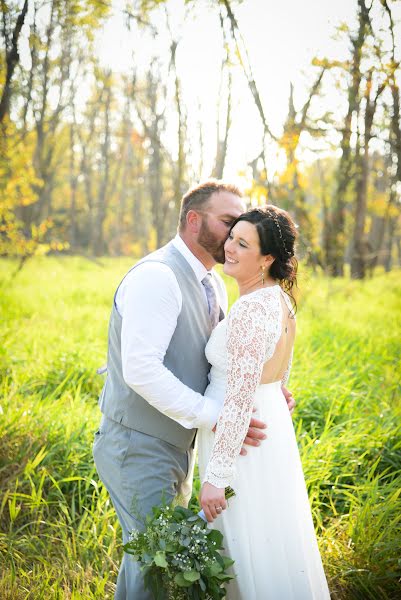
[{"x": 194, "y": 221}]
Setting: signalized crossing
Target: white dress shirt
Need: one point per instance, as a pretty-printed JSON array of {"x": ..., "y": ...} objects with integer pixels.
[{"x": 149, "y": 301}]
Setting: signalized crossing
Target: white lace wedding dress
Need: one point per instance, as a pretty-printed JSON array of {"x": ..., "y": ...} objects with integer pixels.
[{"x": 267, "y": 527}]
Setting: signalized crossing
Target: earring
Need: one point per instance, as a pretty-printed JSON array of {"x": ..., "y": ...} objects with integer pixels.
[{"x": 262, "y": 275}]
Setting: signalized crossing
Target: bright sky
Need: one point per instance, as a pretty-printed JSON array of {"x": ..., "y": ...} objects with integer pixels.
[{"x": 281, "y": 36}]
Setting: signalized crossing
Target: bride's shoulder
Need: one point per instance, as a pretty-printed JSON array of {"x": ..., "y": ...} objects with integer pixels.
[
  {"x": 262, "y": 295},
  {"x": 259, "y": 299}
]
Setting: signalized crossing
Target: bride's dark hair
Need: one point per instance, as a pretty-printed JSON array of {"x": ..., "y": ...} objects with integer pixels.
[{"x": 277, "y": 235}]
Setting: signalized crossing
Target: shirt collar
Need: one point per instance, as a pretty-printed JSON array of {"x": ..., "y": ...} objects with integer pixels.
[{"x": 198, "y": 268}]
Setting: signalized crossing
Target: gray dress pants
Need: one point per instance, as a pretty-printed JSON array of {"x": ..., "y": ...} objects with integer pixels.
[{"x": 139, "y": 471}]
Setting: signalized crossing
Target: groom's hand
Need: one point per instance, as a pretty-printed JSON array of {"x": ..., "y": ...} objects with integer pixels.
[
  {"x": 254, "y": 435},
  {"x": 289, "y": 398}
]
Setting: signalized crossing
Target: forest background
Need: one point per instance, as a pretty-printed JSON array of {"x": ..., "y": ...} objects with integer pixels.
[
  {"x": 109, "y": 112},
  {"x": 103, "y": 129}
]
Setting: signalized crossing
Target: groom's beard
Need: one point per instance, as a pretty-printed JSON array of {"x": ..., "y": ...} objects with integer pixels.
[{"x": 209, "y": 242}]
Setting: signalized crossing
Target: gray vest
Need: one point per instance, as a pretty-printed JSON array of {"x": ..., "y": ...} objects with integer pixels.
[{"x": 185, "y": 358}]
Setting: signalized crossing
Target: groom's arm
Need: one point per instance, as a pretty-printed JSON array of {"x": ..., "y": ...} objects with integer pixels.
[{"x": 149, "y": 303}]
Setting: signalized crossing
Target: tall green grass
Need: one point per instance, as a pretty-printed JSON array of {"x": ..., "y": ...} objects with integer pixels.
[{"x": 58, "y": 534}]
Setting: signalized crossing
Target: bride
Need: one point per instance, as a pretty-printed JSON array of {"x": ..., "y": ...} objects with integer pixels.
[{"x": 268, "y": 528}]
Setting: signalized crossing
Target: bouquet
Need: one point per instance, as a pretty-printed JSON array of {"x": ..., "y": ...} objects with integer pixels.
[{"x": 179, "y": 556}]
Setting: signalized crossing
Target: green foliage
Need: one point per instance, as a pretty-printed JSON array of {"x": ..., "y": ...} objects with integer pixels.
[
  {"x": 179, "y": 556},
  {"x": 17, "y": 182},
  {"x": 59, "y": 535}
]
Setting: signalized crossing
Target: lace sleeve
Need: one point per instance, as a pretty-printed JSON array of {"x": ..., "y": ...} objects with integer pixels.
[{"x": 253, "y": 330}]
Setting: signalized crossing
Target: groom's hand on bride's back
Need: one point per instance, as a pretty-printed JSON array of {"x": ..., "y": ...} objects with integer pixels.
[
  {"x": 289, "y": 398},
  {"x": 255, "y": 434}
]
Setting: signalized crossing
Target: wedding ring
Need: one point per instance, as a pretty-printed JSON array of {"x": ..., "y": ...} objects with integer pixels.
[{"x": 219, "y": 509}]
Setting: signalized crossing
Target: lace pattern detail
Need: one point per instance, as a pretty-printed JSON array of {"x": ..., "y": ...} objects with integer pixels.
[
  {"x": 253, "y": 330},
  {"x": 286, "y": 375}
]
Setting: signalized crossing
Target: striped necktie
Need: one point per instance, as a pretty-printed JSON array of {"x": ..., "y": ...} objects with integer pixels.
[{"x": 214, "y": 308}]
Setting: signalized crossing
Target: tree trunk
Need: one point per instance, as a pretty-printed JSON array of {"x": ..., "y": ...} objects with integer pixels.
[
  {"x": 337, "y": 239},
  {"x": 360, "y": 243},
  {"x": 99, "y": 245},
  {"x": 180, "y": 167},
  {"x": 154, "y": 126},
  {"x": 86, "y": 143},
  {"x": 126, "y": 166},
  {"x": 246, "y": 66},
  {"x": 73, "y": 186},
  {"x": 12, "y": 59},
  {"x": 222, "y": 143},
  {"x": 388, "y": 245},
  {"x": 156, "y": 194}
]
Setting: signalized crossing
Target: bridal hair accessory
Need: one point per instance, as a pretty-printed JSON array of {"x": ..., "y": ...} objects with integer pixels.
[{"x": 275, "y": 219}]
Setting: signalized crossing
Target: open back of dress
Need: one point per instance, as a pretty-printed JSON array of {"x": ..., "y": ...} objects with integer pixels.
[{"x": 277, "y": 366}]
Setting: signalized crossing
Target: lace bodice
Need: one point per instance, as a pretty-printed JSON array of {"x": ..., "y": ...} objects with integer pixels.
[{"x": 237, "y": 350}]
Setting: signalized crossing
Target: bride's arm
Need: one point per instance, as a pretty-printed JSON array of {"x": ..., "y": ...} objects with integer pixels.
[{"x": 252, "y": 332}]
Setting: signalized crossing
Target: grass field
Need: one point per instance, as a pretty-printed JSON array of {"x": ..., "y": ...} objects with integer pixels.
[{"x": 58, "y": 533}]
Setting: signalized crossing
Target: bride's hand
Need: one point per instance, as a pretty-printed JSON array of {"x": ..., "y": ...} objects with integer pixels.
[{"x": 212, "y": 500}]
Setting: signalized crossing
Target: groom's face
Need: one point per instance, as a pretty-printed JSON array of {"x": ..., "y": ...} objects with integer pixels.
[{"x": 217, "y": 217}]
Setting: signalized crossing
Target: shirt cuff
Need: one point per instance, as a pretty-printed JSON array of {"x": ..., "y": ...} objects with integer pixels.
[{"x": 209, "y": 414}]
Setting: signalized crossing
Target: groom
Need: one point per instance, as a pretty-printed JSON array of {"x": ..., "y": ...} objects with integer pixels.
[{"x": 162, "y": 316}]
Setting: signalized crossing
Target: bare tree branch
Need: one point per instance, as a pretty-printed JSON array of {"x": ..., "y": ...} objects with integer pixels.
[{"x": 246, "y": 65}]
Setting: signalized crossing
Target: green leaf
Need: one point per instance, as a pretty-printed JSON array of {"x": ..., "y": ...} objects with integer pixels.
[
  {"x": 181, "y": 581},
  {"x": 147, "y": 558},
  {"x": 215, "y": 536},
  {"x": 223, "y": 577},
  {"x": 229, "y": 492},
  {"x": 227, "y": 561},
  {"x": 185, "y": 530},
  {"x": 194, "y": 518},
  {"x": 219, "y": 559},
  {"x": 172, "y": 548},
  {"x": 162, "y": 544},
  {"x": 191, "y": 575},
  {"x": 215, "y": 569},
  {"x": 160, "y": 560},
  {"x": 183, "y": 513}
]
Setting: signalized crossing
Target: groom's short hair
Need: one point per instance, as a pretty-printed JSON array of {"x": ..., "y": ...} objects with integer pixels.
[{"x": 199, "y": 195}]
